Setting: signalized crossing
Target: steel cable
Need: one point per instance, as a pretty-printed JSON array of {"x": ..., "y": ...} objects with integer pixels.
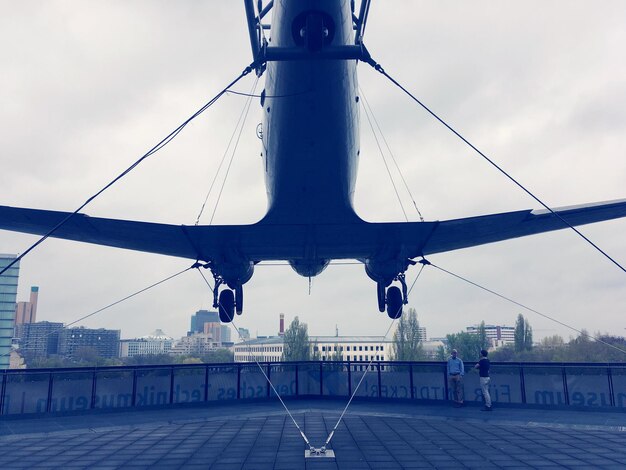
[
  {"x": 166, "y": 140},
  {"x": 379, "y": 68}
]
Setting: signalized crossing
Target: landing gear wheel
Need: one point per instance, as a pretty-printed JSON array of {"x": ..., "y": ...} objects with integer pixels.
[
  {"x": 227, "y": 306},
  {"x": 394, "y": 302},
  {"x": 380, "y": 290},
  {"x": 239, "y": 299}
]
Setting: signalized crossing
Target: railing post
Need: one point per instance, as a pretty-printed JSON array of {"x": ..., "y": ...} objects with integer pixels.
[
  {"x": 297, "y": 385},
  {"x": 349, "y": 378},
  {"x": 94, "y": 377},
  {"x": 133, "y": 402},
  {"x": 321, "y": 379},
  {"x": 267, "y": 386},
  {"x": 609, "y": 375},
  {"x": 380, "y": 391},
  {"x": 238, "y": 381},
  {"x": 171, "y": 385},
  {"x": 206, "y": 383},
  {"x": 3, "y": 390},
  {"x": 49, "y": 401},
  {"x": 565, "y": 390},
  {"x": 522, "y": 383},
  {"x": 411, "y": 381}
]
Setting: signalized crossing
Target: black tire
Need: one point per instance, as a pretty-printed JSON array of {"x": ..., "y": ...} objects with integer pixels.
[
  {"x": 239, "y": 299},
  {"x": 227, "y": 306},
  {"x": 380, "y": 291},
  {"x": 394, "y": 302}
]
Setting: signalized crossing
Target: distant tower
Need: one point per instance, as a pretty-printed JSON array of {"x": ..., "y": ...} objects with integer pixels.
[
  {"x": 8, "y": 287},
  {"x": 26, "y": 312},
  {"x": 281, "y": 328}
]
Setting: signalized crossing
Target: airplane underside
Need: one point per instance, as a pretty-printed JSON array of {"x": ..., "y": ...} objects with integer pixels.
[{"x": 310, "y": 108}]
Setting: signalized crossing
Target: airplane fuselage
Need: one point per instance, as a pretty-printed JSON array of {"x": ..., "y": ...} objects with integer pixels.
[{"x": 311, "y": 120}]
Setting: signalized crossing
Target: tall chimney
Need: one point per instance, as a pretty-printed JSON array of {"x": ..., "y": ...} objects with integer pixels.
[{"x": 281, "y": 328}]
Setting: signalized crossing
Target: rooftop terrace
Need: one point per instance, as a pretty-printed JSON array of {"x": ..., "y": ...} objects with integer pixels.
[{"x": 253, "y": 431}]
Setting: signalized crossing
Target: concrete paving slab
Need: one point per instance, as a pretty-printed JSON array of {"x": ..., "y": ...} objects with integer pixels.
[{"x": 372, "y": 435}]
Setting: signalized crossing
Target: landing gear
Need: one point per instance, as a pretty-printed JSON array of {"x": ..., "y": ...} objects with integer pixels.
[
  {"x": 394, "y": 302},
  {"x": 228, "y": 289},
  {"x": 226, "y": 306},
  {"x": 380, "y": 291},
  {"x": 239, "y": 298},
  {"x": 393, "y": 298}
]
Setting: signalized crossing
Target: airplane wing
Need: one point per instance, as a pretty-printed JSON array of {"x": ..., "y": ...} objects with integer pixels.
[
  {"x": 261, "y": 242},
  {"x": 473, "y": 231}
]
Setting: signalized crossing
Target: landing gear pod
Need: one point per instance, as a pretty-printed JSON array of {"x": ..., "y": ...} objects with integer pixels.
[
  {"x": 227, "y": 306},
  {"x": 394, "y": 302}
]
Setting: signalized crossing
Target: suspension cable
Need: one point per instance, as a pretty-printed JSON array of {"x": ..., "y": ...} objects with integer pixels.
[
  {"x": 232, "y": 156},
  {"x": 582, "y": 333},
  {"x": 393, "y": 158},
  {"x": 166, "y": 140},
  {"x": 332, "y": 433},
  {"x": 382, "y": 154},
  {"x": 230, "y": 141},
  {"x": 379, "y": 68},
  {"x": 112, "y": 304},
  {"x": 306, "y": 440}
]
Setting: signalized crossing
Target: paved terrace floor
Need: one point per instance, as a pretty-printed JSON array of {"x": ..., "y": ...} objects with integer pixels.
[{"x": 374, "y": 435}]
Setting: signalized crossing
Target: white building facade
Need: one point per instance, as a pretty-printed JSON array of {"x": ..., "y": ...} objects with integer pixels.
[
  {"x": 497, "y": 335},
  {"x": 154, "y": 343},
  {"x": 327, "y": 348}
]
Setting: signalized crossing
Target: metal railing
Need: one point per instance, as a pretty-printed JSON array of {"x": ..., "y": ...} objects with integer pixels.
[{"x": 74, "y": 389}]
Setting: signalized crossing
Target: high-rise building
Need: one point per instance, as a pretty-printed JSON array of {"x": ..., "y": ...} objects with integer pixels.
[
  {"x": 40, "y": 339},
  {"x": 26, "y": 312},
  {"x": 201, "y": 317},
  {"x": 105, "y": 342},
  {"x": 8, "y": 295}
]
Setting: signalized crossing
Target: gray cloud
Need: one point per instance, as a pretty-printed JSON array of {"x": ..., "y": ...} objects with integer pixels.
[{"x": 87, "y": 87}]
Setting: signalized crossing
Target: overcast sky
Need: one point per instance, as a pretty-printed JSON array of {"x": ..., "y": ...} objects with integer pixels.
[{"x": 87, "y": 87}]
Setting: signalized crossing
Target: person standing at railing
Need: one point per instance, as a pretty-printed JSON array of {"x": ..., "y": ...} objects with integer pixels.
[
  {"x": 483, "y": 370},
  {"x": 456, "y": 371}
]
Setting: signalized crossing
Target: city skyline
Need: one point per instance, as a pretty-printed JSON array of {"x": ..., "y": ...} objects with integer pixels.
[{"x": 113, "y": 80}]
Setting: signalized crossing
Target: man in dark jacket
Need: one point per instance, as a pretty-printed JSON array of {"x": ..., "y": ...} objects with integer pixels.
[{"x": 483, "y": 370}]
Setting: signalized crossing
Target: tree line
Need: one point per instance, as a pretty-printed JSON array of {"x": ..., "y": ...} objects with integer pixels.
[{"x": 407, "y": 346}]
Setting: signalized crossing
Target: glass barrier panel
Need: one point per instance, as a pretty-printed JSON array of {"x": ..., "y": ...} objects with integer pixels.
[
  {"x": 619, "y": 386},
  {"x": 222, "y": 383},
  {"x": 71, "y": 391},
  {"x": 505, "y": 386},
  {"x": 309, "y": 379},
  {"x": 588, "y": 386},
  {"x": 253, "y": 383},
  {"x": 369, "y": 384},
  {"x": 189, "y": 384},
  {"x": 26, "y": 393},
  {"x": 114, "y": 389},
  {"x": 544, "y": 385},
  {"x": 334, "y": 379},
  {"x": 283, "y": 378},
  {"x": 153, "y": 387},
  {"x": 429, "y": 382},
  {"x": 395, "y": 381}
]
